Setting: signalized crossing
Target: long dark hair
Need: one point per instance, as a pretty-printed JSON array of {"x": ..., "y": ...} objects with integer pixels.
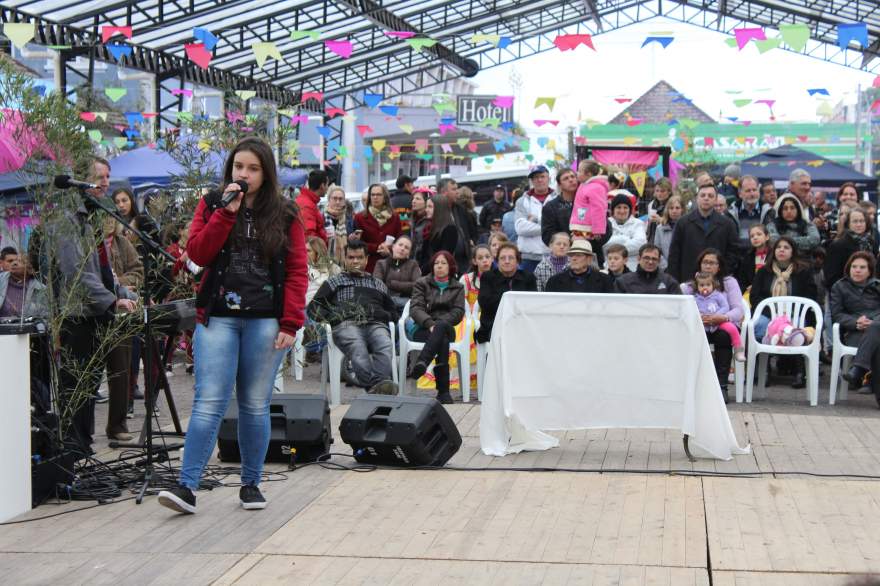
[
  {"x": 722, "y": 267},
  {"x": 442, "y": 214},
  {"x": 272, "y": 213},
  {"x": 781, "y": 224},
  {"x": 133, "y": 211},
  {"x": 796, "y": 260}
]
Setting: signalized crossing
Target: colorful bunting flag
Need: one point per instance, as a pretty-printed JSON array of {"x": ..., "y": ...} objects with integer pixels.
[
  {"x": 662, "y": 41},
  {"x": 245, "y": 94},
  {"x": 744, "y": 35},
  {"x": 373, "y": 100},
  {"x": 363, "y": 129},
  {"x": 795, "y": 36},
  {"x": 342, "y": 48},
  {"x": 389, "y": 110},
  {"x": 198, "y": 54},
  {"x": 333, "y": 112},
  {"x": 571, "y": 42},
  {"x": 19, "y": 33},
  {"x": 317, "y": 96},
  {"x": 503, "y": 101},
  {"x": 846, "y": 33},
  {"x": 379, "y": 144},
  {"x": 549, "y": 102},
  {"x": 297, "y": 35},
  {"x": 119, "y": 50},
  {"x": 115, "y": 93},
  {"x": 206, "y": 37},
  {"x": 417, "y": 44},
  {"x": 108, "y": 32},
  {"x": 264, "y": 50},
  {"x": 400, "y": 34}
]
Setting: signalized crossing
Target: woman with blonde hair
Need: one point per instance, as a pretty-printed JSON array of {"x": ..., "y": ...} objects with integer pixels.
[{"x": 673, "y": 209}]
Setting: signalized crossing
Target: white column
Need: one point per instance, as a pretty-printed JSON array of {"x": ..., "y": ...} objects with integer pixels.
[
  {"x": 349, "y": 141},
  {"x": 15, "y": 426}
]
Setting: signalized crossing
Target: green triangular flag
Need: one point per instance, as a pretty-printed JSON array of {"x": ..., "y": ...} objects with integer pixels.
[{"x": 115, "y": 93}]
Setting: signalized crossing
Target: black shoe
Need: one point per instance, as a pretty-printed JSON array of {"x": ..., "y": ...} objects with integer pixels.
[
  {"x": 824, "y": 357},
  {"x": 251, "y": 498},
  {"x": 445, "y": 397},
  {"x": 138, "y": 393},
  {"x": 855, "y": 376},
  {"x": 416, "y": 370},
  {"x": 386, "y": 387},
  {"x": 800, "y": 380},
  {"x": 180, "y": 499}
]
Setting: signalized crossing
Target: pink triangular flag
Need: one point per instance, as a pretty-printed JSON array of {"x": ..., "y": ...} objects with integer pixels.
[
  {"x": 331, "y": 112},
  {"x": 88, "y": 116},
  {"x": 400, "y": 34},
  {"x": 503, "y": 101},
  {"x": 108, "y": 32},
  {"x": 317, "y": 96},
  {"x": 341, "y": 48},
  {"x": 198, "y": 54},
  {"x": 472, "y": 147},
  {"x": 364, "y": 129},
  {"x": 744, "y": 35}
]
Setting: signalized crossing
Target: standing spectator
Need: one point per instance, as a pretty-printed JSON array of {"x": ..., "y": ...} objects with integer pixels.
[
  {"x": 769, "y": 194},
  {"x": 444, "y": 235},
  {"x": 379, "y": 225},
  {"x": 6, "y": 257},
  {"x": 847, "y": 199},
  {"x": 125, "y": 205},
  {"x": 495, "y": 283},
  {"x": 21, "y": 294},
  {"x": 615, "y": 259},
  {"x": 791, "y": 221},
  {"x": 437, "y": 307},
  {"x": 800, "y": 185},
  {"x": 785, "y": 274},
  {"x": 626, "y": 229},
  {"x": 747, "y": 210},
  {"x": 672, "y": 212},
  {"x": 662, "y": 193},
  {"x": 338, "y": 223},
  {"x": 495, "y": 208},
  {"x": 420, "y": 228},
  {"x": 464, "y": 218},
  {"x": 399, "y": 272},
  {"x": 580, "y": 276},
  {"x": 648, "y": 279},
  {"x": 358, "y": 307},
  {"x": 853, "y": 236},
  {"x": 309, "y": 197},
  {"x": 755, "y": 258},
  {"x": 529, "y": 210},
  {"x": 730, "y": 183},
  {"x": 556, "y": 215},
  {"x": 698, "y": 230},
  {"x": 401, "y": 201},
  {"x": 589, "y": 215},
  {"x": 508, "y": 222},
  {"x": 555, "y": 262}
]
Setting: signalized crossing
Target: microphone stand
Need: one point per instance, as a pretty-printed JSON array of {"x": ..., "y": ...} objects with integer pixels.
[{"x": 93, "y": 203}]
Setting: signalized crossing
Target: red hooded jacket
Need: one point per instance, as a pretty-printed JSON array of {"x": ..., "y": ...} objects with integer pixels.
[{"x": 312, "y": 218}]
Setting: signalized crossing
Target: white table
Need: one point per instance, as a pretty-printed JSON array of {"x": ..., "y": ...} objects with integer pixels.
[
  {"x": 15, "y": 426},
  {"x": 561, "y": 361}
]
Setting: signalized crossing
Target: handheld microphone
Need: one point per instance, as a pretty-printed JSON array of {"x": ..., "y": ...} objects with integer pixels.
[
  {"x": 65, "y": 182},
  {"x": 228, "y": 197}
]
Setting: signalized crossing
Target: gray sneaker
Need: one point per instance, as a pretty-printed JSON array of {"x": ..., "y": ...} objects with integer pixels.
[{"x": 386, "y": 387}]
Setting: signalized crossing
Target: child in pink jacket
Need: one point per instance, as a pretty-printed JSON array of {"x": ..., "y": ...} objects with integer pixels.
[{"x": 590, "y": 211}]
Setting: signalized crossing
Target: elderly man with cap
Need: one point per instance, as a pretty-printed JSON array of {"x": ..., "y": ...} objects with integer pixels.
[
  {"x": 495, "y": 208},
  {"x": 529, "y": 209},
  {"x": 580, "y": 276},
  {"x": 626, "y": 229}
]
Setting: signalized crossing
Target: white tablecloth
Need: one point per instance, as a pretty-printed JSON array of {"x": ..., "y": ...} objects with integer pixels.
[{"x": 573, "y": 361}]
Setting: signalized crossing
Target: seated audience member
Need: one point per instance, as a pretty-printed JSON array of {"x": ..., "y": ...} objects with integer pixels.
[
  {"x": 321, "y": 266},
  {"x": 785, "y": 274},
  {"x": 555, "y": 262},
  {"x": 359, "y": 308},
  {"x": 615, "y": 261},
  {"x": 712, "y": 302},
  {"x": 855, "y": 305},
  {"x": 853, "y": 235},
  {"x": 754, "y": 258},
  {"x": 647, "y": 278},
  {"x": 711, "y": 262},
  {"x": 378, "y": 224},
  {"x": 791, "y": 220},
  {"x": 626, "y": 229},
  {"x": 481, "y": 264},
  {"x": 673, "y": 209},
  {"x": 399, "y": 272},
  {"x": 5, "y": 257},
  {"x": 21, "y": 294},
  {"x": 495, "y": 283},
  {"x": 437, "y": 307},
  {"x": 495, "y": 242},
  {"x": 580, "y": 276}
]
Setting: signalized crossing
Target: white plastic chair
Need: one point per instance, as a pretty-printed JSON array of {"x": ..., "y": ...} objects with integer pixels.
[
  {"x": 462, "y": 349},
  {"x": 796, "y": 308},
  {"x": 841, "y": 358},
  {"x": 739, "y": 368},
  {"x": 482, "y": 351},
  {"x": 299, "y": 356},
  {"x": 331, "y": 365}
]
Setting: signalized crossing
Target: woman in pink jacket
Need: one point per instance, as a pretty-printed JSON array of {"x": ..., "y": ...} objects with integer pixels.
[{"x": 590, "y": 211}]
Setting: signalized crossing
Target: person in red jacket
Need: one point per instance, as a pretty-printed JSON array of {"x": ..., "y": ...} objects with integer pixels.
[
  {"x": 250, "y": 304},
  {"x": 309, "y": 196},
  {"x": 379, "y": 225}
]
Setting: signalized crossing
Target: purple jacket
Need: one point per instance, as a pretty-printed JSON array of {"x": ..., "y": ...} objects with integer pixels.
[
  {"x": 735, "y": 301},
  {"x": 714, "y": 304}
]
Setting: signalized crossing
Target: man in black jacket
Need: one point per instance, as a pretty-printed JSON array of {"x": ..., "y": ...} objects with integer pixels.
[
  {"x": 701, "y": 229},
  {"x": 495, "y": 283},
  {"x": 495, "y": 208},
  {"x": 359, "y": 307},
  {"x": 580, "y": 277},
  {"x": 401, "y": 200},
  {"x": 648, "y": 279}
]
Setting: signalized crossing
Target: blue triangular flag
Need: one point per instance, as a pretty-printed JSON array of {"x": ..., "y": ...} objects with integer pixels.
[
  {"x": 508, "y": 126},
  {"x": 131, "y": 133},
  {"x": 542, "y": 141},
  {"x": 119, "y": 50},
  {"x": 857, "y": 32},
  {"x": 40, "y": 89},
  {"x": 819, "y": 90},
  {"x": 499, "y": 145},
  {"x": 134, "y": 117},
  {"x": 324, "y": 131},
  {"x": 665, "y": 41},
  {"x": 206, "y": 37},
  {"x": 389, "y": 110},
  {"x": 503, "y": 42},
  {"x": 672, "y": 122},
  {"x": 372, "y": 100},
  {"x": 733, "y": 118}
]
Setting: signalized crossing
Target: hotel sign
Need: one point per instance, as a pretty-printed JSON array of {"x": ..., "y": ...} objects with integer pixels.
[{"x": 475, "y": 109}]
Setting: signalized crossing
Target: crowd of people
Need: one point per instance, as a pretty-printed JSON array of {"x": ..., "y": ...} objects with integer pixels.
[{"x": 265, "y": 268}]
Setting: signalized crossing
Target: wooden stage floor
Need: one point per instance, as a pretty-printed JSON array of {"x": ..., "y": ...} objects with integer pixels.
[{"x": 801, "y": 514}]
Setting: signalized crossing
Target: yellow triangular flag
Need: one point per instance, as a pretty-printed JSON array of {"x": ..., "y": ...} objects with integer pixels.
[
  {"x": 20, "y": 33},
  {"x": 638, "y": 180},
  {"x": 245, "y": 94},
  {"x": 407, "y": 128},
  {"x": 263, "y": 51},
  {"x": 379, "y": 144}
]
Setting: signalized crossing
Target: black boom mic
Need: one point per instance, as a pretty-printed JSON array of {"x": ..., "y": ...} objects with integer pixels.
[
  {"x": 228, "y": 197},
  {"x": 65, "y": 182}
]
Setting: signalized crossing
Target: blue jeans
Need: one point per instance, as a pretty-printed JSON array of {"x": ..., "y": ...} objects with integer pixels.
[
  {"x": 368, "y": 346},
  {"x": 240, "y": 353},
  {"x": 761, "y": 328}
]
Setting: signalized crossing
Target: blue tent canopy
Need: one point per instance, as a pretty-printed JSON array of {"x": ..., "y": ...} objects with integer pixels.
[
  {"x": 145, "y": 165},
  {"x": 777, "y": 164}
]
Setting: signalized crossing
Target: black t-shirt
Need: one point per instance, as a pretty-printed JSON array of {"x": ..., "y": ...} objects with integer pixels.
[{"x": 246, "y": 290}]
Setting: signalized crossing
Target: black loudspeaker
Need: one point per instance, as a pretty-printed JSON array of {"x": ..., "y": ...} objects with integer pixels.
[
  {"x": 300, "y": 422},
  {"x": 399, "y": 431}
]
